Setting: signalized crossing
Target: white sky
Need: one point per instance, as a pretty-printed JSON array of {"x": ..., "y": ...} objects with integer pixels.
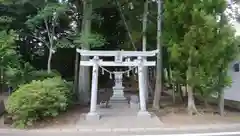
[
  {"x": 237, "y": 27},
  {"x": 235, "y": 7}
]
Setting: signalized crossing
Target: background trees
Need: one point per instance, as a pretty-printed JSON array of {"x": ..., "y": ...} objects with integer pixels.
[
  {"x": 200, "y": 46},
  {"x": 196, "y": 39}
]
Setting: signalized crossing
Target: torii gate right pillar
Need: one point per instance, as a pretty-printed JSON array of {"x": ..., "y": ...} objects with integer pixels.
[{"x": 142, "y": 90}]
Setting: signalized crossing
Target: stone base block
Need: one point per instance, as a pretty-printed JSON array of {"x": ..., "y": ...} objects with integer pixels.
[
  {"x": 118, "y": 101},
  {"x": 93, "y": 116},
  {"x": 116, "y": 104},
  {"x": 134, "y": 105},
  {"x": 144, "y": 114},
  {"x": 118, "y": 93},
  {"x": 117, "y": 98}
]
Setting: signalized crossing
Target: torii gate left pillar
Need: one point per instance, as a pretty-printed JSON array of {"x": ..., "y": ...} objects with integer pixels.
[{"x": 93, "y": 115}]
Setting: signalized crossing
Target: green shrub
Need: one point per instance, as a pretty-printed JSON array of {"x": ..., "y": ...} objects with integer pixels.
[
  {"x": 41, "y": 75},
  {"x": 16, "y": 76},
  {"x": 38, "y": 99}
]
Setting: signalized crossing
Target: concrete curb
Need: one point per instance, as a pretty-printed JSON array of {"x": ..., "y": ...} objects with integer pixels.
[{"x": 106, "y": 130}]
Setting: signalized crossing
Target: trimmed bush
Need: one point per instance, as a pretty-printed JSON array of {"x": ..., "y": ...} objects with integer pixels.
[
  {"x": 41, "y": 75},
  {"x": 38, "y": 99}
]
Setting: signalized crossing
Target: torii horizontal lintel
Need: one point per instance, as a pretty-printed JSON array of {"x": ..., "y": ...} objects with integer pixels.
[
  {"x": 116, "y": 64},
  {"x": 115, "y": 53}
]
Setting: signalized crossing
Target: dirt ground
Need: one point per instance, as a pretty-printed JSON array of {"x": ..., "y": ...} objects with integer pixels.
[
  {"x": 172, "y": 115},
  {"x": 176, "y": 114},
  {"x": 169, "y": 114}
]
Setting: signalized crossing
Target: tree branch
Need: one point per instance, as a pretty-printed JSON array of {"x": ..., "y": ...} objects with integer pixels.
[
  {"x": 125, "y": 23},
  {"x": 48, "y": 32},
  {"x": 40, "y": 39}
]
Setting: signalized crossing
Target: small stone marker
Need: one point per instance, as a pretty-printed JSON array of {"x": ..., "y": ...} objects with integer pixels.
[{"x": 134, "y": 102}]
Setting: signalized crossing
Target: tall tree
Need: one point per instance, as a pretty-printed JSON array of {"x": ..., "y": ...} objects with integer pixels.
[
  {"x": 144, "y": 44},
  {"x": 47, "y": 20},
  {"x": 9, "y": 59},
  {"x": 158, "y": 84},
  {"x": 84, "y": 81}
]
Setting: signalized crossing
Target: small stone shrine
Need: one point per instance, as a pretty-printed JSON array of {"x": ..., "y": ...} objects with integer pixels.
[{"x": 118, "y": 94}]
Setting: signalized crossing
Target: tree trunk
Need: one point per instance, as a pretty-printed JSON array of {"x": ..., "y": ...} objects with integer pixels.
[
  {"x": 77, "y": 58},
  {"x": 221, "y": 102},
  {"x": 191, "y": 107},
  {"x": 221, "y": 76},
  {"x": 206, "y": 103},
  {"x": 173, "y": 93},
  {"x": 158, "y": 83},
  {"x": 179, "y": 91},
  {"x": 125, "y": 23},
  {"x": 51, "y": 34},
  {"x": 191, "y": 102},
  {"x": 76, "y": 73},
  {"x": 2, "y": 78},
  {"x": 84, "y": 72},
  {"x": 49, "y": 60},
  {"x": 144, "y": 46},
  {"x": 169, "y": 76}
]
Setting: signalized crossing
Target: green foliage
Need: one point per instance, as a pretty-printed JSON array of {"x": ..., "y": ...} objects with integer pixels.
[
  {"x": 48, "y": 19},
  {"x": 51, "y": 12},
  {"x": 79, "y": 40},
  {"x": 94, "y": 40},
  {"x": 7, "y": 46},
  {"x": 5, "y": 21},
  {"x": 42, "y": 74},
  {"x": 38, "y": 99},
  {"x": 16, "y": 76},
  {"x": 65, "y": 43},
  {"x": 9, "y": 59},
  {"x": 199, "y": 43}
]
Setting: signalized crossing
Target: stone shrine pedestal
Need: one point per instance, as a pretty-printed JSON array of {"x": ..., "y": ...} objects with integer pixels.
[
  {"x": 118, "y": 93},
  {"x": 118, "y": 100}
]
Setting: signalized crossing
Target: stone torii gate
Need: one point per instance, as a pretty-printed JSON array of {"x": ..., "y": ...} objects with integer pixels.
[{"x": 140, "y": 62}]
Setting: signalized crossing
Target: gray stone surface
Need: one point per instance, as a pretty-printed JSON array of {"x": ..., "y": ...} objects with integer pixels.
[
  {"x": 134, "y": 105},
  {"x": 144, "y": 114},
  {"x": 93, "y": 116},
  {"x": 206, "y": 131},
  {"x": 134, "y": 98},
  {"x": 119, "y": 116}
]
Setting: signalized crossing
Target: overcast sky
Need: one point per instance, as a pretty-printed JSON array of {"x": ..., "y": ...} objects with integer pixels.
[
  {"x": 236, "y": 8},
  {"x": 237, "y": 27}
]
